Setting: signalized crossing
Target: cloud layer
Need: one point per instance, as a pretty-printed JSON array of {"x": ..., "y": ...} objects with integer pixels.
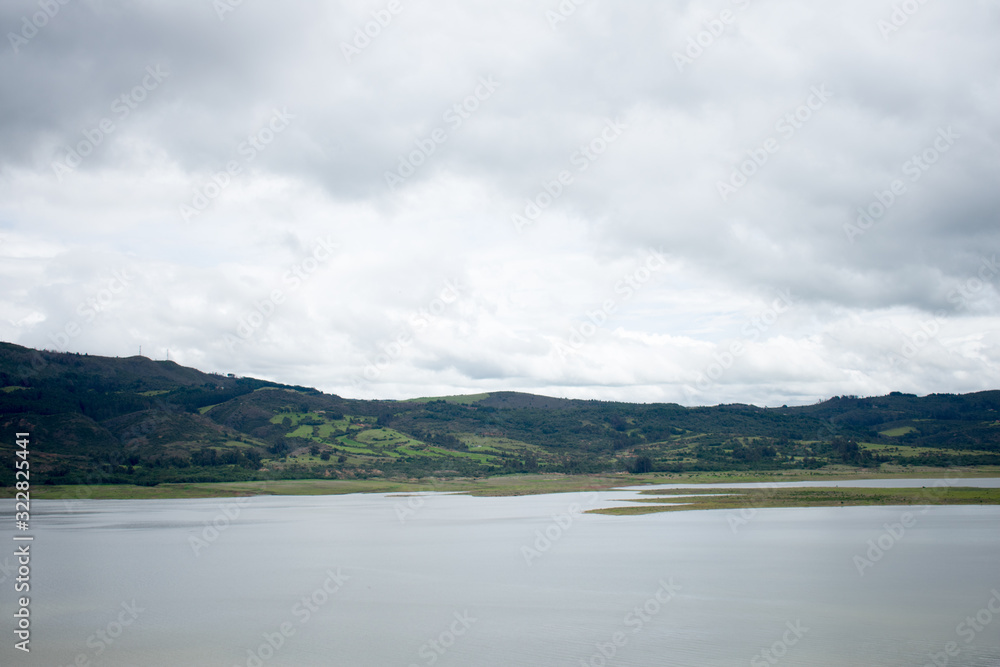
[{"x": 729, "y": 201}]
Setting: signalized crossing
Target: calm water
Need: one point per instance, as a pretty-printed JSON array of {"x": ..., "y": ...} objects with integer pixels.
[{"x": 454, "y": 580}]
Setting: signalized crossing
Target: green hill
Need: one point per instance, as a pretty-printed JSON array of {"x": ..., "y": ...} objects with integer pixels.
[{"x": 134, "y": 420}]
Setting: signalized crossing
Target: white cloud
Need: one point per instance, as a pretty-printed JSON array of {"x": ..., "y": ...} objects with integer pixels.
[{"x": 522, "y": 294}]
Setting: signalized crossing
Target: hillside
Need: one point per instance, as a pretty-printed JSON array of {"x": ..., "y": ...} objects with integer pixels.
[{"x": 102, "y": 420}]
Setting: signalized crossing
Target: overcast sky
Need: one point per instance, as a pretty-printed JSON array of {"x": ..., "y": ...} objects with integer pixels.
[{"x": 755, "y": 201}]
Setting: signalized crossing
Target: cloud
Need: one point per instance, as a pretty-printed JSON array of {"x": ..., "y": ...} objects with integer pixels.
[{"x": 764, "y": 163}]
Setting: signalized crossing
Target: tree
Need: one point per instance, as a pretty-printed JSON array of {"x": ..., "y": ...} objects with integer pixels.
[{"x": 643, "y": 464}]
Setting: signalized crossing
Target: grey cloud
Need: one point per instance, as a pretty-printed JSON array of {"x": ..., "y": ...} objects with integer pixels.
[{"x": 654, "y": 186}]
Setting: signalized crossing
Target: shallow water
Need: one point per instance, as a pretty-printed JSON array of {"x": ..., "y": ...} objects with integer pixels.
[{"x": 457, "y": 580}]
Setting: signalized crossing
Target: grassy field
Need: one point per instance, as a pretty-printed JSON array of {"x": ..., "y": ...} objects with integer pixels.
[
  {"x": 798, "y": 497},
  {"x": 467, "y": 399},
  {"x": 828, "y": 473},
  {"x": 898, "y": 431},
  {"x": 506, "y": 485},
  {"x": 908, "y": 451},
  {"x": 369, "y": 444}
]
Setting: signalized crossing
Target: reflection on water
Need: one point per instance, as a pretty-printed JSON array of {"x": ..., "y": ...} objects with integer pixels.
[{"x": 350, "y": 580}]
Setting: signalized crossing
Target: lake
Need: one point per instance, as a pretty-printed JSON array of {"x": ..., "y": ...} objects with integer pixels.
[{"x": 436, "y": 579}]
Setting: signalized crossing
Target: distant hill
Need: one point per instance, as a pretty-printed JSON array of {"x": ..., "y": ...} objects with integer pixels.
[{"x": 103, "y": 420}]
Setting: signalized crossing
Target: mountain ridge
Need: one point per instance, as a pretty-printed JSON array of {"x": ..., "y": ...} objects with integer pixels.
[{"x": 100, "y": 419}]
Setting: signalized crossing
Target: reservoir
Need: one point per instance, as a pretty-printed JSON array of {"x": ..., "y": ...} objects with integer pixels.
[{"x": 439, "y": 579}]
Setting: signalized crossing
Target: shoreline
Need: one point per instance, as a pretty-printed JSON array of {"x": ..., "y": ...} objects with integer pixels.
[
  {"x": 507, "y": 485},
  {"x": 665, "y": 500}
]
